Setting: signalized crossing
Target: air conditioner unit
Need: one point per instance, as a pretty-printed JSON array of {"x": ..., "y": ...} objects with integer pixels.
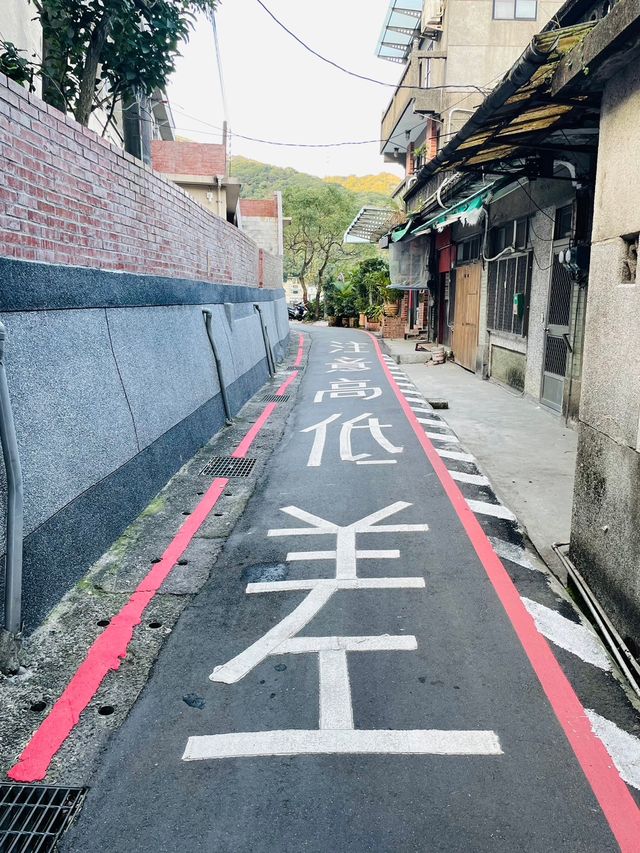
[{"x": 432, "y": 16}]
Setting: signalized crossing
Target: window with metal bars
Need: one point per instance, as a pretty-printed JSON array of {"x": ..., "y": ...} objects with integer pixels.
[{"x": 508, "y": 278}]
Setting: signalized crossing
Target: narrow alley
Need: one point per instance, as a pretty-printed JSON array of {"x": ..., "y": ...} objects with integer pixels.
[{"x": 359, "y": 672}]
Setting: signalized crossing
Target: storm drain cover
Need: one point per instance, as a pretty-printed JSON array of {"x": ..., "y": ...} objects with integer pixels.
[
  {"x": 227, "y": 466},
  {"x": 275, "y": 398},
  {"x": 34, "y": 817}
]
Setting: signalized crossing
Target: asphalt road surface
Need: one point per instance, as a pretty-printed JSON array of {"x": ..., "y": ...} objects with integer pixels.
[{"x": 356, "y": 674}]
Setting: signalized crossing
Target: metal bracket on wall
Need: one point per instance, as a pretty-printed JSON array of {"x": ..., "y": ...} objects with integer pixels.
[
  {"x": 267, "y": 344},
  {"x": 216, "y": 357}
]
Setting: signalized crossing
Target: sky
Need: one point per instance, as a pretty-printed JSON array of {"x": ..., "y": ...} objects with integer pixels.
[{"x": 275, "y": 90}]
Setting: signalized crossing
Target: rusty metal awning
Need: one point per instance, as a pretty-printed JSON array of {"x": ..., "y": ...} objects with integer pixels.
[{"x": 520, "y": 116}]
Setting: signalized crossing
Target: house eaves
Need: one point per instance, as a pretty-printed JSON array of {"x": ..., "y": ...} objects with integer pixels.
[{"x": 520, "y": 115}]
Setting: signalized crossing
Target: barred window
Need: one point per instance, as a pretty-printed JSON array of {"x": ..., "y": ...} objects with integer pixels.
[{"x": 508, "y": 277}]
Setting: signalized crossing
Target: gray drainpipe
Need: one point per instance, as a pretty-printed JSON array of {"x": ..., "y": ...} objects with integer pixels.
[
  {"x": 216, "y": 356},
  {"x": 267, "y": 345},
  {"x": 10, "y": 634}
]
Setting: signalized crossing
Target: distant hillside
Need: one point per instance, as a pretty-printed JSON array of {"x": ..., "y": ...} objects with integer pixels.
[
  {"x": 383, "y": 183},
  {"x": 260, "y": 180}
]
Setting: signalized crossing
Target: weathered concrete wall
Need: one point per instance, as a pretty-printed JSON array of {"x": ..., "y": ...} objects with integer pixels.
[
  {"x": 605, "y": 536},
  {"x": 489, "y": 47},
  {"x": 114, "y": 386}
]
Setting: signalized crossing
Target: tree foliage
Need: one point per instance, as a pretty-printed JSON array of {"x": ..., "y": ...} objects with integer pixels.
[
  {"x": 383, "y": 183},
  {"x": 96, "y": 52},
  {"x": 262, "y": 179},
  {"x": 313, "y": 241}
]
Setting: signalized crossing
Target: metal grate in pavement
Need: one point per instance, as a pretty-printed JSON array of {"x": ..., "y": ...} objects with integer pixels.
[
  {"x": 227, "y": 466},
  {"x": 275, "y": 398},
  {"x": 34, "y": 817}
]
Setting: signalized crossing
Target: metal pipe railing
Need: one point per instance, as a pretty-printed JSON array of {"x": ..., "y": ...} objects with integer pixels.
[
  {"x": 216, "y": 357},
  {"x": 15, "y": 503},
  {"x": 267, "y": 344}
]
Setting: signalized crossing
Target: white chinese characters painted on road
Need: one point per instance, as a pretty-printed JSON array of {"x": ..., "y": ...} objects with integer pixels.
[
  {"x": 360, "y": 422},
  {"x": 336, "y": 732}
]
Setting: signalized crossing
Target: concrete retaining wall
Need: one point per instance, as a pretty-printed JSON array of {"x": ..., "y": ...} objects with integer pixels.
[{"x": 114, "y": 386}]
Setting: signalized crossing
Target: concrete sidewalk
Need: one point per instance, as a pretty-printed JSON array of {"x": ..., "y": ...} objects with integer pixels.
[{"x": 527, "y": 451}]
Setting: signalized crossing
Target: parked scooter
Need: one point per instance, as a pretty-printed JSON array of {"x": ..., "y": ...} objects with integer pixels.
[{"x": 297, "y": 312}]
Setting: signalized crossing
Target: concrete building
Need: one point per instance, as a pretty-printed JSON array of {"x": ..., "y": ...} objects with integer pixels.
[
  {"x": 605, "y": 535},
  {"x": 532, "y": 261},
  {"x": 201, "y": 170},
  {"x": 452, "y": 54},
  {"x": 262, "y": 220}
]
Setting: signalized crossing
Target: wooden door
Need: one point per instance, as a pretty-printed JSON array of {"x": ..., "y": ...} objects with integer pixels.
[{"x": 467, "y": 315}]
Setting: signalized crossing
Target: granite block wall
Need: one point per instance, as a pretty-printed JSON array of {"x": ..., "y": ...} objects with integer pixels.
[{"x": 113, "y": 389}]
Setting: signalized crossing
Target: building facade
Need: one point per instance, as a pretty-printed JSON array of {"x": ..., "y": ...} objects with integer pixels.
[
  {"x": 530, "y": 227},
  {"x": 201, "y": 170}
]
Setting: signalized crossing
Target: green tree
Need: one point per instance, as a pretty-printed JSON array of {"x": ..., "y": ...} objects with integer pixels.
[
  {"x": 313, "y": 241},
  {"x": 96, "y": 52},
  {"x": 370, "y": 280}
]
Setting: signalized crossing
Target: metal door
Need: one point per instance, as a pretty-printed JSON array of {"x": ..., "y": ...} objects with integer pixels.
[
  {"x": 467, "y": 315},
  {"x": 556, "y": 345}
]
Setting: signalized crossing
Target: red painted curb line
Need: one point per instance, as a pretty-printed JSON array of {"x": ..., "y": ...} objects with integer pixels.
[
  {"x": 616, "y": 802},
  {"x": 110, "y": 648},
  {"x": 242, "y": 449},
  {"x": 287, "y": 382},
  {"x": 298, "y": 360}
]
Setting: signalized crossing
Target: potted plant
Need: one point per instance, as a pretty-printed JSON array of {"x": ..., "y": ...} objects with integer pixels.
[
  {"x": 391, "y": 299},
  {"x": 374, "y": 318}
]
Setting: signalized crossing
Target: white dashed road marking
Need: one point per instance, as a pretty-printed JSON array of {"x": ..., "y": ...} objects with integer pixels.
[
  {"x": 455, "y": 454},
  {"x": 497, "y": 510},
  {"x": 623, "y": 748},
  {"x": 439, "y": 436},
  {"x": 574, "y": 638},
  {"x": 514, "y": 553},
  {"x": 475, "y": 479}
]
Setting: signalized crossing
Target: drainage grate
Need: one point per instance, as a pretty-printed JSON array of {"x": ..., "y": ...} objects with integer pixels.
[
  {"x": 227, "y": 466},
  {"x": 34, "y": 817},
  {"x": 275, "y": 398}
]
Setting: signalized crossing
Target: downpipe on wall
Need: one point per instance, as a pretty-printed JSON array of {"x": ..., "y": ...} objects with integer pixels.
[
  {"x": 216, "y": 357},
  {"x": 10, "y": 634},
  {"x": 267, "y": 344}
]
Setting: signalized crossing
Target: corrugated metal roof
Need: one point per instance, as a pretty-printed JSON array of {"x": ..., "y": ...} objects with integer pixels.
[
  {"x": 505, "y": 129},
  {"x": 370, "y": 224}
]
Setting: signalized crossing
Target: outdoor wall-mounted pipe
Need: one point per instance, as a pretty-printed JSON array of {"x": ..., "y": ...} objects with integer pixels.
[
  {"x": 216, "y": 357},
  {"x": 13, "y": 563},
  {"x": 267, "y": 345}
]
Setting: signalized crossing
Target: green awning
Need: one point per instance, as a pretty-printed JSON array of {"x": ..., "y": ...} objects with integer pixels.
[
  {"x": 462, "y": 210},
  {"x": 399, "y": 232}
]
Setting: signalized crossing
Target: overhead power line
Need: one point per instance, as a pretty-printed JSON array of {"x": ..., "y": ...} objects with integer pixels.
[{"x": 355, "y": 73}]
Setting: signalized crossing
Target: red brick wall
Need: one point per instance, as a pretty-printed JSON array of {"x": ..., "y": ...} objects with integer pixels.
[
  {"x": 69, "y": 197},
  {"x": 188, "y": 158},
  {"x": 259, "y": 207}
]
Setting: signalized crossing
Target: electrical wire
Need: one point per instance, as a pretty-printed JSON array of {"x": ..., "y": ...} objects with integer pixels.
[{"x": 355, "y": 73}]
